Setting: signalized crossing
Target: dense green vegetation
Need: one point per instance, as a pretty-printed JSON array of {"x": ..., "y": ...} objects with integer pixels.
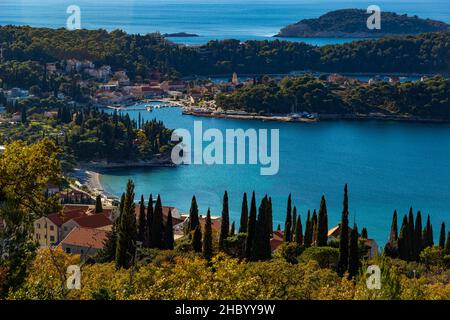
[
  {"x": 352, "y": 23},
  {"x": 88, "y": 134},
  {"x": 427, "y": 99},
  {"x": 26, "y": 49}
]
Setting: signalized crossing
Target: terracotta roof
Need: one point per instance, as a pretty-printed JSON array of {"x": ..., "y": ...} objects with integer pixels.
[
  {"x": 93, "y": 221},
  {"x": 85, "y": 237},
  {"x": 216, "y": 223},
  {"x": 61, "y": 218}
]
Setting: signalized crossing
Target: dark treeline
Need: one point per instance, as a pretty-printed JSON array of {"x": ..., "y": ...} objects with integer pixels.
[
  {"x": 151, "y": 229},
  {"x": 428, "y": 98},
  {"x": 88, "y": 134},
  {"x": 26, "y": 49}
]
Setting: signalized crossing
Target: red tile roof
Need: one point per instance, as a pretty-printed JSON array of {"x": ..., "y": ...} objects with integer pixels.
[
  {"x": 93, "y": 221},
  {"x": 85, "y": 237},
  {"x": 60, "y": 218}
]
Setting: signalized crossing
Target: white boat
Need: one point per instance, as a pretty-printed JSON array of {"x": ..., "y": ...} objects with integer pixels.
[{"x": 149, "y": 108}]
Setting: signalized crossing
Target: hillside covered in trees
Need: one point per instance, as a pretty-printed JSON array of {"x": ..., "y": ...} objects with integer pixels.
[
  {"x": 425, "y": 99},
  {"x": 351, "y": 23},
  {"x": 26, "y": 49}
]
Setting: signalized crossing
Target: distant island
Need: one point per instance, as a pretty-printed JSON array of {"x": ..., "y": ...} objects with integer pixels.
[
  {"x": 179, "y": 34},
  {"x": 351, "y": 23}
]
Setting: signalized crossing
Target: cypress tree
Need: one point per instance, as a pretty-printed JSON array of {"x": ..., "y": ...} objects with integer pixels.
[
  {"x": 193, "y": 216},
  {"x": 428, "y": 234},
  {"x": 393, "y": 237},
  {"x": 442, "y": 236},
  {"x": 98, "y": 204},
  {"x": 322, "y": 224},
  {"x": 279, "y": 227},
  {"x": 251, "y": 227},
  {"x": 447, "y": 243},
  {"x": 353, "y": 259},
  {"x": 418, "y": 236},
  {"x": 308, "y": 231},
  {"x": 108, "y": 252},
  {"x": 126, "y": 230},
  {"x": 411, "y": 235},
  {"x": 364, "y": 233},
  {"x": 207, "y": 238},
  {"x": 244, "y": 215},
  {"x": 232, "y": 229},
  {"x": 288, "y": 222},
  {"x": 168, "y": 233},
  {"x": 403, "y": 249},
  {"x": 142, "y": 223},
  {"x": 149, "y": 220},
  {"x": 197, "y": 239},
  {"x": 225, "y": 225},
  {"x": 294, "y": 222},
  {"x": 270, "y": 218},
  {"x": 157, "y": 226},
  {"x": 261, "y": 243},
  {"x": 344, "y": 242},
  {"x": 314, "y": 228},
  {"x": 299, "y": 231}
]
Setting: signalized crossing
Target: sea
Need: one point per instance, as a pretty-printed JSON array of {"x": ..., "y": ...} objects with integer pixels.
[{"x": 387, "y": 165}]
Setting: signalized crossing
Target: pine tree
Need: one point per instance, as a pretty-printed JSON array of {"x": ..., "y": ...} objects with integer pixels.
[
  {"x": 225, "y": 225},
  {"x": 193, "y": 216},
  {"x": 308, "y": 231},
  {"x": 418, "y": 236},
  {"x": 244, "y": 215},
  {"x": 232, "y": 229},
  {"x": 98, "y": 204},
  {"x": 126, "y": 230},
  {"x": 261, "y": 243},
  {"x": 353, "y": 259},
  {"x": 197, "y": 239},
  {"x": 207, "y": 238},
  {"x": 344, "y": 241},
  {"x": 142, "y": 223},
  {"x": 251, "y": 229},
  {"x": 322, "y": 224},
  {"x": 149, "y": 220},
  {"x": 157, "y": 226},
  {"x": 287, "y": 237},
  {"x": 442, "y": 236},
  {"x": 403, "y": 249},
  {"x": 299, "y": 231},
  {"x": 168, "y": 232}
]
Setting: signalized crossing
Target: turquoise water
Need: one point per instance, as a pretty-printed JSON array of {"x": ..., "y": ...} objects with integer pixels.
[
  {"x": 387, "y": 165},
  {"x": 211, "y": 19}
]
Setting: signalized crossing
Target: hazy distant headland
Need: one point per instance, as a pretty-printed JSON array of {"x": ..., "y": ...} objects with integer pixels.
[
  {"x": 179, "y": 34},
  {"x": 351, "y": 23}
]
